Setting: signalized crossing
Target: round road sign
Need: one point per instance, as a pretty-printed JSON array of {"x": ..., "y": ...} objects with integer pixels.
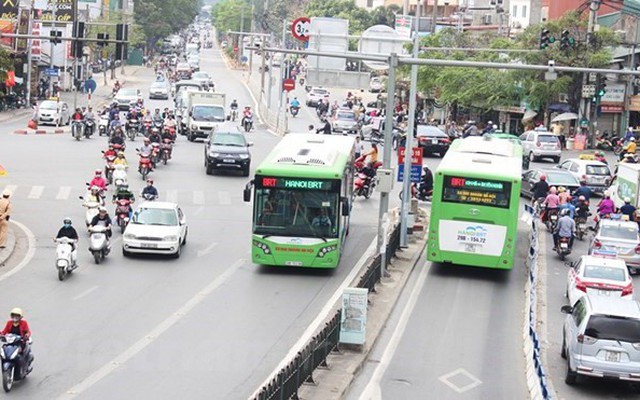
[{"x": 300, "y": 28}]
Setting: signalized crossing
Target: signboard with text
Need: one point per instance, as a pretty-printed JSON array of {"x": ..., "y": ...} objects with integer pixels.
[
  {"x": 416, "y": 164},
  {"x": 353, "y": 320},
  {"x": 65, "y": 11},
  {"x": 614, "y": 94}
]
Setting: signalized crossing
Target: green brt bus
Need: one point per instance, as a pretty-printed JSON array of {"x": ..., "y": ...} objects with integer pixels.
[
  {"x": 476, "y": 202},
  {"x": 302, "y": 201}
]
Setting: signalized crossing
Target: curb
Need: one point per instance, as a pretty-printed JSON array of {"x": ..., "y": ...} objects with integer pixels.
[
  {"x": 57, "y": 131},
  {"x": 6, "y": 253}
]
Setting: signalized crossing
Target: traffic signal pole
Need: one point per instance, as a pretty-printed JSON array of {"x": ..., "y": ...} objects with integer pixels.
[
  {"x": 52, "y": 47},
  {"x": 585, "y": 110}
]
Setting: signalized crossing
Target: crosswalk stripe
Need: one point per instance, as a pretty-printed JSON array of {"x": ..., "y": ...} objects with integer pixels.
[
  {"x": 11, "y": 188},
  {"x": 63, "y": 193},
  {"x": 224, "y": 198},
  {"x": 36, "y": 192},
  {"x": 198, "y": 197},
  {"x": 172, "y": 196}
]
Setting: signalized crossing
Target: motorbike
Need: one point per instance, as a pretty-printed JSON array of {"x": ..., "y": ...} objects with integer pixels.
[
  {"x": 99, "y": 243},
  {"x": 148, "y": 196},
  {"x": 92, "y": 209},
  {"x": 144, "y": 165},
  {"x": 363, "y": 185},
  {"x": 158, "y": 125},
  {"x": 132, "y": 129},
  {"x": 14, "y": 366},
  {"x": 77, "y": 129},
  {"x": 602, "y": 143},
  {"x": 119, "y": 176},
  {"x": 109, "y": 167},
  {"x": 417, "y": 194},
  {"x": 563, "y": 249},
  {"x": 552, "y": 220},
  {"x": 294, "y": 111},
  {"x": 103, "y": 125},
  {"x": 166, "y": 150},
  {"x": 122, "y": 213},
  {"x": 234, "y": 114},
  {"x": 66, "y": 257},
  {"x": 581, "y": 228},
  {"x": 247, "y": 122},
  {"x": 89, "y": 127},
  {"x": 148, "y": 124},
  {"x": 155, "y": 154}
]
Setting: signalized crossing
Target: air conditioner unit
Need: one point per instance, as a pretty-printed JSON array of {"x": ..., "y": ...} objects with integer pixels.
[
  {"x": 486, "y": 19},
  {"x": 563, "y": 98},
  {"x": 621, "y": 35}
]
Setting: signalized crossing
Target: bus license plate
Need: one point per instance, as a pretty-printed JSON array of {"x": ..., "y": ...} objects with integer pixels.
[
  {"x": 612, "y": 356},
  {"x": 293, "y": 263}
]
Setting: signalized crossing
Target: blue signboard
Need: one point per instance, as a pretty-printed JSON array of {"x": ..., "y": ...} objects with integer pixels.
[
  {"x": 416, "y": 172},
  {"x": 244, "y": 59},
  {"x": 51, "y": 71},
  {"x": 90, "y": 85}
]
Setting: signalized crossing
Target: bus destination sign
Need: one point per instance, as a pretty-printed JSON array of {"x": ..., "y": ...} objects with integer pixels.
[
  {"x": 268, "y": 182},
  {"x": 476, "y": 191}
]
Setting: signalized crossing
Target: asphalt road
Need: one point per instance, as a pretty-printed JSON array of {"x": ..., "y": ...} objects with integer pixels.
[
  {"x": 454, "y": 334},
  {"x": 208, "y": 325}
]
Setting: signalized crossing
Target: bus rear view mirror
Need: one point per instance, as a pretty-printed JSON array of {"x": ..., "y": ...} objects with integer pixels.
[
  {"x": 345, "y": 207},
  {"x": 246, "y": 194}
]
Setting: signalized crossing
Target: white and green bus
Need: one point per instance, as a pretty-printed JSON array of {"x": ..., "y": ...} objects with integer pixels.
[
  {"x": 302, "y": 201},
  {"x": 476, "y": 203}
]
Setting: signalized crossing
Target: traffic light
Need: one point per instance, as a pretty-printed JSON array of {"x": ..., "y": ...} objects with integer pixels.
[
  {"x": 102, "y": 39},
  {"x": 122, "y": 34},
  {"x": 546, "y": 39},
  {"x": 55, "y": 37},
  {"x": 601, "y": 89},
  {"x": 78, "y": 43}
]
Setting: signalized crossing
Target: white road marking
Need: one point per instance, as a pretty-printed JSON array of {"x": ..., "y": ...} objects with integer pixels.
[
  {"x": 473, "y": 381},
  {"x": 36, "y": 192},
  {"x": 224, "y": 198},
  {"x": 198, "y": 197},
  {"x": 63, "y": 193},
  {"x": 314, "y": 325},
  {"x": 31, "y": 243},
  {"x": 172, "y": 196},
  {"x": 151, "y": 336},
  {"x": 11, "y": 188},
  {"x": 373, "y": 391},
  {"x": 207, "y": 250},
  {"x": 198, "y": 211},
  {"x": 86, "y": 292}
]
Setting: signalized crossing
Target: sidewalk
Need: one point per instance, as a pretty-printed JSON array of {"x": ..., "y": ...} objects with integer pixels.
[{"x": 11, "y": 245}]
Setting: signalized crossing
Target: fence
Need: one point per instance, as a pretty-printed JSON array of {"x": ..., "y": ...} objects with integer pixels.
[
  {"x": 536, "y": 376},
  {"x": 314, "y": 354}
]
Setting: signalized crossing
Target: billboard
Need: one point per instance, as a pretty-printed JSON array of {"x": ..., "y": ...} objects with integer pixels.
[
  {"x": 9, "y": 9},
  {"x": 65, "y": 11}
]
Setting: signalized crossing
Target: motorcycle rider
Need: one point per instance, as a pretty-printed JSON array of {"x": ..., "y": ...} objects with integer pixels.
[
  {"x": 133, "y": 114},
  {"x": 94, "y": 195},
  {"x": 17, "y": 325},
  {"x": 121, "y": 160},
  {"x": 124, "y": 193},
  {"x": 102, "y": 219},
  {"x": 146, "y": 148},
  {"x": 157, "y": 117},
  {"x": 233, "y": 107},
  {"x": 110, "y": 152},
  {"x": 372, "y": 154},
  {"x": 565, "y": 228},
  {"x": 540, "y": 188},
  {"x": 115, "y": 123},
  {"x": 98, "y": 180},
  {"x": 170, "y": 122},
  {"x": 426, "y": 182},
  {"x": 326, "y": 128},
  {"x": 149, "y": 190},
  {"x": 552, "y": 201},
  {"x": 582, "y": 208},
  {"x": 568, "y": 205},
  {"x": 154, "y": 136},
  {"x": 294, "y": 104},
  {"x": 68, "y": 231},
  {"x": 246, "y": 114},
  {"x": 77, "y": 115},
  {"x": 166, "y": 113},
  {"x": 628, "y": 210},
  {"x": 583, "y": 190},
  {"x": 629, "y": 148},
  {"x": 606, "y": 206}
]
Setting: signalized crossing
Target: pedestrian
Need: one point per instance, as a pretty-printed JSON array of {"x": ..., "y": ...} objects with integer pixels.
[
  {"x": 359, "y": 147},
  {"x": 5, "y": 213}
]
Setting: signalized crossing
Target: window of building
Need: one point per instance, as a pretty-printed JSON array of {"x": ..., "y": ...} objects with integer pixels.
[
  {"x": 524, "y": 11},
  {"x": 369, "y": 3},
  {"x": 515, "y": 11}
]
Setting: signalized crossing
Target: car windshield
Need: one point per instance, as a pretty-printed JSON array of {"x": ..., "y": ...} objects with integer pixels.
[
  {"x": 183, "y": 66},
  {"x": 619, "y": 232},
  {"x": 228, "y": 139},
  {"x": 297, "y": 213},
  {"x": 155, "y": 216},
  {"x": 200, "y": 75},
  {"x": 128, "y": 92},
  {"x": 607, "y": 327},
  {"x": 208, "y": 113},
  {"x": 603, "y": 272},
  {"x": 555, "y": 179},
  {"x": 319, "y": 92},
  {"x": 158, "y": 85},
  {"x": 598, "y": 170},
  {"x": 346, "y": 115},
  {"x": 547, "y": 139},
  {"x": 48, "y": 105}
]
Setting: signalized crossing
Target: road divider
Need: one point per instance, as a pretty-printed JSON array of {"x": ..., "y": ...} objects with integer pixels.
[
  {"x": 56, "y": 131},
  {"x": 31, "y": 249}
]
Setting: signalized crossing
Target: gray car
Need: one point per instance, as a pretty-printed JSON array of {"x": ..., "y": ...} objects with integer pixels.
[
  {"x": 345, "y": 121},
  {"x": 126, "y": 96},
  {"x": 539, "y": 144},
  {"x": 601, "y": 339},
  {"x": 159, "y": 90},
  {"x": 619, "y": 237}
]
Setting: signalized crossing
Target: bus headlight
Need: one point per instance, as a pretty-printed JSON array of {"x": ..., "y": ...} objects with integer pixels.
[
  {"x": 323, "y": 251},
  {"x": 264, "y": 247}
]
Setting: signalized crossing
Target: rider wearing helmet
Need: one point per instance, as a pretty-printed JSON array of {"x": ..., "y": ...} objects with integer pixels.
[
  {"x": 98, "y": 180},
  {"x": 149, "y": 192},
  {"x": 234, "y": 104},
  {"x": 295, "y": 103},
  {"x": 565, "y": 228},
  {"x": 540, "y": 188},
  {"x": 124, "y": 193},
  {"x": 117, "y": 137},
  {"x": 146, "y": 148},
  {"x": 628, "y": 209},
  {"x": 102, "y": 219},
  {"x": 154, "y": 136},
  {"x": 68, "y": 231},
  {"x": 121, "y": 159},
  {"x": 17, "y": 325},
  {"x": 426, "y": 182}
]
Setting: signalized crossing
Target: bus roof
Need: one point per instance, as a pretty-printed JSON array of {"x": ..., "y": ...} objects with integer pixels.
[
  {"x": 309, "y": 156},
  {"x": 486, "y": 156}
]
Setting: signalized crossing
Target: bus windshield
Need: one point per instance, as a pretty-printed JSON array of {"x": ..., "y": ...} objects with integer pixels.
[
  {"x": 306, "y": 213},
  {"x": 483, "y": 192}
]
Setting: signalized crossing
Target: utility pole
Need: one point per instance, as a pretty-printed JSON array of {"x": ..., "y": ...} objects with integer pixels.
[
  {"x": 241, "y": 37},
  {"x": 435, "y": 15},
  {"x": 408, "y": 147},
  {"x": 629, "y": 86},
  {"x": 585, "y": 110}
]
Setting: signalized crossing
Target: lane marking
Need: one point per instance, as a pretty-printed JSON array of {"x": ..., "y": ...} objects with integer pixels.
[
  {"x": 11, "y": 188},
  {"x": 373, "y": 390},
  {"x": 36, "y": 192},
  {"x": 198, "y": 211},
  {"x": 198, "y": 197},
  {"x": 172, "y": 196},
  {"x": 86, "y": 292},
  {"x": 31, "y": 251},
  {"x": 224, "y": 198},
  {"x": 63, "y": 193},
  {"x": 151, "y": 336},
  {"x": 460, "y": 372},
  {"x": 207, "y": 249},
  {"x": 314, "y": 325}
]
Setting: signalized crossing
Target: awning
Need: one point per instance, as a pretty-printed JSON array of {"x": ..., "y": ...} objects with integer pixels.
[
  {"x": 529, "y": 114},
  {"x": 565, "y": 117}
]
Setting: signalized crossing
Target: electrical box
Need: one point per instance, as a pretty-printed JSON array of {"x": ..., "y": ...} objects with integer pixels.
[{"x": 385, "y": 180}]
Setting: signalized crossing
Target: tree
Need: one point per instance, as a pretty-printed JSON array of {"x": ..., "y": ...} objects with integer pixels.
[
  {"x": 228, "y": 15},
  {"x": 359, "y": 18},
  {"x": 385, "y": 15},
  {"x": 6, "y": 63},
  {"x": 160, "y": 18}
]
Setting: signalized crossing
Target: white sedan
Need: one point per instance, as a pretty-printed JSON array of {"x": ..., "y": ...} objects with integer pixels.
[
  {"x": 599, "y": 276},
  {"x": 155, "y": 228}
]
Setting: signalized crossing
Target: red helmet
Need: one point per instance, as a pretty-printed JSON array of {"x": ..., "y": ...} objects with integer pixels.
[{"x": 543, "y": 177}]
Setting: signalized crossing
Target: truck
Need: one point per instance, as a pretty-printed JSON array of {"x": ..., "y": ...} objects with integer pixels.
[
  {"x": 626, "y": 184},
  {"x": 204, "y": 110}
]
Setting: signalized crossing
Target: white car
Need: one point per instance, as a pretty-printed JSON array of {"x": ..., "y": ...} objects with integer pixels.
[
  {"x": 155, "y": 228},
  {"x": 126, "y": 96},
  {"x": 599, "y": 276},
  {"x": 159, "y": 90},
  {"x": 375, "y": 85},
  {"x": 316, "y": 95},
  {"x": 53, "y": 113},
  {"x": 596, "y": 173}
]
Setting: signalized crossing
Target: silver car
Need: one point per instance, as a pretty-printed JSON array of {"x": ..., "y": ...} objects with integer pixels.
[
  {"x": 204, "y": 79},
  {"x": 53, "y": 113},
  {"x": 540, "y": 144},
  {"x": 601, "y": 338},
  {"x": 345, "y": 121},
  {"x": 159, "y": 90},
  {"x": 126, "y": 96},
  {"x": 619, "y": 237}
]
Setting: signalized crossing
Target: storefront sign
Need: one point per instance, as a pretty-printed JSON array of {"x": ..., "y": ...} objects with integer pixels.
[
  {"x": 9, "y": 10},
  {"x": 614, "y": 94},
  {"x": 65, "y": 11},
  {"x": 611, "y": 109},
  {"x": 634, "y": 103}
]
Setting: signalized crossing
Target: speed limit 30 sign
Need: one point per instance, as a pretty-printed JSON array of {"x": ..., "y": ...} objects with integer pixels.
[{"x": 300, "y": 28}]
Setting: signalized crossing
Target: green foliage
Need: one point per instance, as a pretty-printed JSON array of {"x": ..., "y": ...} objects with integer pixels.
[
  {"x": 6, "y": 63},
  {"x": 160, "y": 18},
  {"x": 227, "y": 15}
]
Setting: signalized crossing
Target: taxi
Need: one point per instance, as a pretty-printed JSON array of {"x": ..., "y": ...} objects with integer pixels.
[{"x": 599, "y": 275}]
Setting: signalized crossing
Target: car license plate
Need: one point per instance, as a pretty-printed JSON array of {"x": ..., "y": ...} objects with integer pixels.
[
  {"x": 612, "y": 356},
  {"x": 293, "y": 263},
  {"x": 228, "y": 160},
  {"x": 604, "y": 292},
  {"x": 149, "y": 245}
]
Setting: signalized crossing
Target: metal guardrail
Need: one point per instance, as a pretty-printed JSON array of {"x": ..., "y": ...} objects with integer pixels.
[{"x": 314, "y": 354}]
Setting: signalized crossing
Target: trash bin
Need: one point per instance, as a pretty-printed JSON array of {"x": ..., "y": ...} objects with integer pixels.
[{"x": 570, "y": 142}]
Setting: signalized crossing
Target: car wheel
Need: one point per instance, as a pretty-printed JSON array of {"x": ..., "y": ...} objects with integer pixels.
[
  {"x": 571, "y": 377},
  {"x": 563, "y": 350},
  {"x": 184, "y": 241},
  {"x": 177, "y": 253},
  {"x": 556, "y": 160},
  {"x": 125, "y": 253},
  {"x": 246, "y": 170},
  {"x": 532, "y": 157},
  {"x": 209, "y": 170}
]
